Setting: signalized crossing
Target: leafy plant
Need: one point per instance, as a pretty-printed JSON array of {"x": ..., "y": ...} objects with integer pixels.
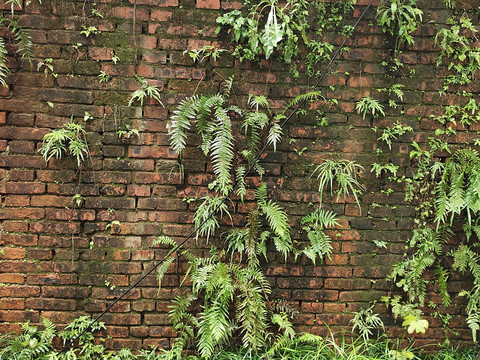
[
  {"x": 368, "y": 105},
  {"x": 204, "y": 53},
  {"x": 31, "y": 344},
  {"x": 47, "y": 67},
  {"x": 392, "y": 133},
  {"x": 399, "y": 18},
  {"x": 146, "y": 91},
  {"x": 89, "y": 30},
  {"x": 366, "y": 321},
  {"x": 88, "y": 349},
  {"x": 387, "y": 168},
  {"x": 268, "y": 26},
  {"x": 78, "y": 199},
  {"x": 70, "y": 140},
  {"x": 320, "y": 244},
  {"x": 231, "y": 153},
  {"x": 460, "y": 49},
  {"x": 17, "y": 34},
  {"x": 128, "y": 132},
  {"x": 104, "y": 77},
  {"x": 343, "y": 173}
]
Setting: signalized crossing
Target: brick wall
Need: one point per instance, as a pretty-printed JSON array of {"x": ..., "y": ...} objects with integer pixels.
[{"x": 57, "y": 256}]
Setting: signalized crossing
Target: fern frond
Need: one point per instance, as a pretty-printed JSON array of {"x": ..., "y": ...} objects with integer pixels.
[
  {"x": 222, "y": 151},
  {"x": 180, "y": 123},
  {"x": 164, "y": 240},
  {"x": 258, "y": 101},
  {"x": 276, "y": 217},
  {"x": 241, "y": 172},
  {"x": 4, "y": 70},
  {"x": 202, "y": 216},
  {"x": 274, "y": 135},
  {"x": 309, "y": 96},
  {"x": 442, "y": 275},
  {"x": 162, "y": 269}
]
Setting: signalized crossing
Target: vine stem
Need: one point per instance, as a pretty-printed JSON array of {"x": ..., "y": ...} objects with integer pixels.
[{"x": 214, "y": 211}]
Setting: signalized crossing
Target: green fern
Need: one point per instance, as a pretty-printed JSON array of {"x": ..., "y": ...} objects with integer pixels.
[
  {"x": 4, "y": 70},
  {"x": 368, "y": 105},
  {"x": 344, "y": 174},
  {"x": 320, "y": 243},
  {"x": 209, "y": 206},
  {"x": 71, "y": 139},
  {"x": 146, "y": 91}
]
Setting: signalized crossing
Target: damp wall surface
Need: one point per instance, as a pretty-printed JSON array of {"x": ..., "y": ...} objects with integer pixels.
[{"x": 61, "y": 259}]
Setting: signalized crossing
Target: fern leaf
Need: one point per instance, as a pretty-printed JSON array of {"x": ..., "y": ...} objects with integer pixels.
[
  {"x": 4, "y": 70},
  {"x": 442, "y": 284},
  {"x": 162, "y": 269},
  {"x": 274, "y": 135},
  {"x": 180, "y": 123},
  {"x": 222, "y": 151}
]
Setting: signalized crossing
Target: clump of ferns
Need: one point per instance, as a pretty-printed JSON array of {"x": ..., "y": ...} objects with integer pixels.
[
  {"x": 16, "y": 39},
  {"x": 214, "y": 118}
]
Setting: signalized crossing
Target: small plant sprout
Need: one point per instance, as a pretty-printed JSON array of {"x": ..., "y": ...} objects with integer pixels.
[
  {"x": 380, "y": 244},
  {"x": 47, "y": 67},
  {"x": 78, "y": 199},
  {"x": 89, "y": 30},
  {"x": 95, "y": 11},
  {"x": 109, "y": 285},
  {"x": 128, "y": 132},
  {"x": 386, "y": 168},
  {"x": 392, "y": 133},
  {"x": 146, "y": 91},
  {"x": 205, "y": 52},
  {"x": 104, "y": 77},
  {"x": 87, "y": 116},
  {"x": 111, "y": 225},
  {"x": 115, "y": 58}
]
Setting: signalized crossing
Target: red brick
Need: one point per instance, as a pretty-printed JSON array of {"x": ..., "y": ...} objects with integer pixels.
[
  {"x": 12, "y": 304},
  {"x": 123, "y": 12},
  {"x": 158, "y": 178},
  {"x": 23, "y": 188},
  {"x": 55, "y": 228},
  {"x": 51, "y": 279},
  {"x": 21, "y": 147},
  {"x": 208, "y": 4},
  {"x": 51, "y": 200},
  {"x": 40, "y": 254},
  {"x": 19, "y": 316},
  {"x": 96, "y": 53},
  {"x": 19, "y": 239},
  {"x": 10, "y": 253},
  {"x": 15, "y": 226},
  {"x": 22, "y": 175},
  {"x": 23, "y": 291},
  {"x": 160, "y": 3},
  {"x": 22, "y": 213},
  {"x": 160, "y": 15},
  {"x": 12, "y": 278},
  {"x": 138, "y": 190},
  {"x": 51, "y": 304},
  {"x": 17, "y": 200}
]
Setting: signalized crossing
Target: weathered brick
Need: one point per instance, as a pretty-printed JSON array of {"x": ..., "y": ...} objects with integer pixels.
[
  {"x": 12, "y": 278},
  {"x": 22, "y": 188}
]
